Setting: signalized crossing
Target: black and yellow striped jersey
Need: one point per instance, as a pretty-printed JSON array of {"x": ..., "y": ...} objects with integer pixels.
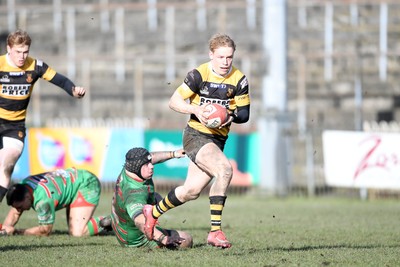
[
  {"x": 17, "y": 85},
  {"x": 202, "y": 85}
]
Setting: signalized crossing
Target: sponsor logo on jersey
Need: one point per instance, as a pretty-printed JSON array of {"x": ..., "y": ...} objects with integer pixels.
[
  {"x": 218, "y": 85},
  {"x": 5, "y": 79},
  {"x": 205, "y": 100},
  {"x": 58, "y": 172},
  {"x": 229, "y": 93},
  {"x": 135, "y": 206},
  {"x": 243, "y": 97},
  {"x": 16, "y": 73},
  {"x": 204, "y": 91},
  {"x": 244, "y": 83},
  {"x": 15, "y": 89},
  {"x": 44, "y": 218},
  {"x": 29, "y": 78}
]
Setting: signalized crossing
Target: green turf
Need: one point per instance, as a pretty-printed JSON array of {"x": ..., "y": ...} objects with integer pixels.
[{"x": 264, "y": 232}]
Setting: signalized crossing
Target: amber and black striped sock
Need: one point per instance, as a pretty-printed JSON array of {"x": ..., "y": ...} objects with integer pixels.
[
  {"x": 216, "y": 206},
  {"x": 167, "y": 203}
]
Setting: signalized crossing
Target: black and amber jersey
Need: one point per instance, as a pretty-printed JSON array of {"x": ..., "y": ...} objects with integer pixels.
[
  {"x": 202, "y": 85},
  {"x": 17, "y": 85}
]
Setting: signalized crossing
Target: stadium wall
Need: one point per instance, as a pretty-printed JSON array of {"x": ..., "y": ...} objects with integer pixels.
[{"x": 343, "y": 65}]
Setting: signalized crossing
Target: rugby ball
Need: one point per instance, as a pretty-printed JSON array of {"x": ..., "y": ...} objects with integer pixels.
[{"x": 217, "y": 115}]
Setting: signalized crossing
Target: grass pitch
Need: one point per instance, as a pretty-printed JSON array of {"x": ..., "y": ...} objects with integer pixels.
[{"x": 264, "y": 232}]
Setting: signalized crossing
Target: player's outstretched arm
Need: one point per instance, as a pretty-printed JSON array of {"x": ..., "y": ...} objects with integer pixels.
[
  {"x": 68, "y": 86},
  {"x": 40, "y": 230},
  {"x": 161, "y": 156}
]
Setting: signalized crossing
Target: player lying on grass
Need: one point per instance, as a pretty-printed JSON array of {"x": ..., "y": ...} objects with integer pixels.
[
  {"x": 76, "y": 190},
  {"x": 133, "y": 190}
]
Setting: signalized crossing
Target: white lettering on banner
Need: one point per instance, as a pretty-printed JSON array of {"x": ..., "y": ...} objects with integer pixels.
[{"x": 362, "y": 160}]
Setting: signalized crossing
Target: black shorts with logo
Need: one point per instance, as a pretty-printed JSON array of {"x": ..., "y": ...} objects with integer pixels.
[
  {"x": 13, "y": 129},
  {"x": 193, "y": 140}
]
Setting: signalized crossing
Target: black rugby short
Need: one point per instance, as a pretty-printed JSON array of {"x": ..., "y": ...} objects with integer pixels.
[
  {"x": 12, "y": 129},
  {"x": 193, "y": 140}
]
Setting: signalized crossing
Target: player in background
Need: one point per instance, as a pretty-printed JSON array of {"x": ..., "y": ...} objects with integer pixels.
[
  {"x": 77, "y": 190},
  {"x": 216, "y": 81},
  {"x": 133, "y": 190},
  {"x": 18, "y": 75}
]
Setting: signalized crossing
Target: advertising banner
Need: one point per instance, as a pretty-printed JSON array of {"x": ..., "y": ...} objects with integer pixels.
[
  {"x": 61, "y": 148},
  {"x": 157, "y": 140},
  {"x": 362, "y": 160},
  {"x": 99, "y": 150},
  {"x": 120, "y": 141},
  {"x": 102, "y": 151}
]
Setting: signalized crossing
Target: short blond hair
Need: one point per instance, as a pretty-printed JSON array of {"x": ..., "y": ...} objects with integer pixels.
[
  {"x": 19, "y": 37},
  {"x": 221, "y": 40}
]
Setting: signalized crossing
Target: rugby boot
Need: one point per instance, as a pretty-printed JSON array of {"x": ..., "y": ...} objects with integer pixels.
[
  {"x": 106, "y": 223},
  {"x": 218, "y": 239}
]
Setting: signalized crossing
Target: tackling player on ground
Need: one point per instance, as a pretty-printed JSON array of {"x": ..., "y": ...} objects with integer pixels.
[
  {"x": 18, "y": 75},
  {"x": 134, "y": 189},
  {"x": 76, "y": 190},
  {"x": 216, "y": 81}
]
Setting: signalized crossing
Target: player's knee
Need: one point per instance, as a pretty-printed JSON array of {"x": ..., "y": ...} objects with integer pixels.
[
  {"x": 75, "y": 232},
  {"x": 186, "y": 193},
  {"x": 225, "y": 172},
  {"x": 192, "y": 194},
  {"x": 8, "y": 168}
]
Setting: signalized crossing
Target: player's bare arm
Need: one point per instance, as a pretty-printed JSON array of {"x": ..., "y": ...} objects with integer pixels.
[
  {"x": 178, "y": 104},
  {"x": 11, "y": 220},
  {"x": 161, "y": 156},
  {"x": 40, "y": 230}
]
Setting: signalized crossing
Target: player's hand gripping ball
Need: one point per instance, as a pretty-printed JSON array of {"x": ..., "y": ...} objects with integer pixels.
[{"x": 217, "y": 115}]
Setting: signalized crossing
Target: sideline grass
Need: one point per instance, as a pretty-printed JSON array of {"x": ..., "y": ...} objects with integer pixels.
[{"x": 264, "y": 232}]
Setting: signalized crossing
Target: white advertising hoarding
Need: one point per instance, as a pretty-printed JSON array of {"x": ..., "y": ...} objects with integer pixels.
[{"x": 361, "y": 159}]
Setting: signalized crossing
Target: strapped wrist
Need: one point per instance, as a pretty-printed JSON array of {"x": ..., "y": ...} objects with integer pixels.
[
  {"x": 234, "y": 116},
  {"x": 161, "y": 238}
]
